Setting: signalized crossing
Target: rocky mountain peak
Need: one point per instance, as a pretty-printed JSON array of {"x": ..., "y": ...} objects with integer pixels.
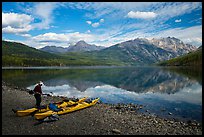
[
  {"x": 82, "y": 46},
  {"x": 81, "y": 43},
  {"x": 172, "y": 44}
]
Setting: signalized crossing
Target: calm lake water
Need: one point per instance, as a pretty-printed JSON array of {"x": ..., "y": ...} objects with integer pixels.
[{"x": 173, "y": 93}]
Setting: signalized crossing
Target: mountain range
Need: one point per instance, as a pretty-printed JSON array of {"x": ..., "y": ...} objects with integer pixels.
[
  {"x": 143, "y": 51},
  {"x": 170, "y": 44},
  {"x": 139, "y": 51},
  {"x": 80, "y": 46}
]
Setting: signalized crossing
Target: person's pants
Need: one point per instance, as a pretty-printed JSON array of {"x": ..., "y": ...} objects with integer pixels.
[{"x": 38, "y": 100}]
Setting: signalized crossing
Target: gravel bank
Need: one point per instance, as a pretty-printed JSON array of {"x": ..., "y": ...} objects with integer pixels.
[{"x": 101, "y": 119}]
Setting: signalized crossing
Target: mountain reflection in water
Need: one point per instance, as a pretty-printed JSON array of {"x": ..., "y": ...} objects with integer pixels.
[{"x": 156, "y": 88}]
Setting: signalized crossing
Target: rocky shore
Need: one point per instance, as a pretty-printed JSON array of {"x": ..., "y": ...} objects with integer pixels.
[{"x": 100, "y": 119}]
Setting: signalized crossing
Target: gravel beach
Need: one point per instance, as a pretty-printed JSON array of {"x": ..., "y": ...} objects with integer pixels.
[{"x": 100, "y": 119}]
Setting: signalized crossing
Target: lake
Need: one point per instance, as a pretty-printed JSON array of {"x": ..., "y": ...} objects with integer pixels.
[{"x": 174, "y": 93}]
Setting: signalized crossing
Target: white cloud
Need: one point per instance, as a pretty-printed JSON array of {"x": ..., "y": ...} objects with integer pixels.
[
  {"x": 64, "y": 39},
  {"x": 11, "y": 30},
  {"x": 178, "y": 8},
  {"x": 96, "y": 24},
  {"x": 163, "y": 10},
  {"x": 101, "y": 9},
  {"x": 26, "y": 35},
  {"x": 178, "y": 20},
  {"x": 101, "y": 20},
  {"x": 16, "y": 23},
  {"x": 15, "y": 19},
  {"x": 141, "y": 15},
  {"x": 44, "y": 11},
  {"x": 51, "y": 37},
  {"x": 88, "y": 31},
  {"x": 88, "y": 22}
]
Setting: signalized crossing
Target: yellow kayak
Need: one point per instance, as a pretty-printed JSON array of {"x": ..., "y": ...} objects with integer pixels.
[
  {"x": 30, "y": 111},
  {"x": 80, "y": 105}
]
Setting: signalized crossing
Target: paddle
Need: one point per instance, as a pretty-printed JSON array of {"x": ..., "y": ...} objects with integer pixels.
[
  {"x": 46, "y": 94},
  {"x": 51, "y": 118},
  {"x": 32, "y": 92}
]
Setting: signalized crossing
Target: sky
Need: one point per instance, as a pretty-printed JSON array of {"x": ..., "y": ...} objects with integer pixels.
[{"x": 39, "y": 24}]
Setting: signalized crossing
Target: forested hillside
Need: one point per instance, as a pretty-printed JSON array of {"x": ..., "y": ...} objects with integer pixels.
[
  {"x": 191, "y": 59},
  {"x": 17, "y": 54}
]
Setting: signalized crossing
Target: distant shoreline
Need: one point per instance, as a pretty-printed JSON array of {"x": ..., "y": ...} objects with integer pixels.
[
  {"x": 92, "y": 67},
  {"x": 71, "y": 67}
]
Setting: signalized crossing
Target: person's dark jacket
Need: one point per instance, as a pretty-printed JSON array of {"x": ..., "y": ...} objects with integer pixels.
[{"x": 37, "y": 89}]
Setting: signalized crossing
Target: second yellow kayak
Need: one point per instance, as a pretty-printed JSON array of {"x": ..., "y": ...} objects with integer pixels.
[{"x": 80, "y": 105}]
